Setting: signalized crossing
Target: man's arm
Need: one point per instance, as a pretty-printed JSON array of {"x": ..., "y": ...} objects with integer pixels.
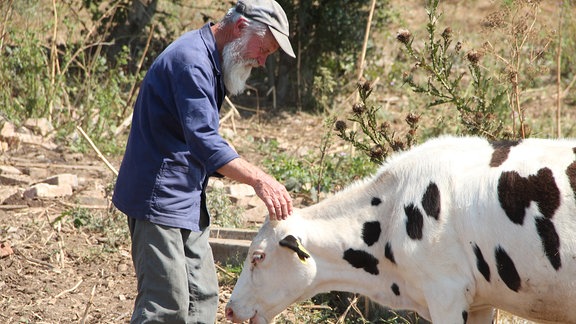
[{"x": 272, "y": 193}]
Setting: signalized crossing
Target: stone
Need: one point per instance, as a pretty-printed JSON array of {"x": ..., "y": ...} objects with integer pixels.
[
  {"x": 44, "y": 190},
  {"x": 40, "y": 126},
  {"x": 8, "y": 169},
  {"x": 63, "y": 179},
  {"x": 14, "y": 179},
  {"x": 5, "y": 250},
  {"x": 239, "y": 190}
]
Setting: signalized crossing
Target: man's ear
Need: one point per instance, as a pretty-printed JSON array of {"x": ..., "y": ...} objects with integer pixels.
[
  {"x": 294, "y": 244},
  {"x": 239, "y": 26}
]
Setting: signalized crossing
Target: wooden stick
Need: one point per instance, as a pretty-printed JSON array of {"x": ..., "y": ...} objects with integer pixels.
[
  {"x": 90, "y": 302},
  {"x": 32, "y": 260},
  {"x": 559, "y": 73},
  {"x": 53, "y": 60},
  {"x": 234, "y": 111},
  {"x": 64, "y": 292},
  {"x": 343, "y": 316},
  {"x": 110, "y": 166},
  {"x": 365, "y": 44},
  {"x": 224, "y": 271},
  {"x": 361, "y": 63}
]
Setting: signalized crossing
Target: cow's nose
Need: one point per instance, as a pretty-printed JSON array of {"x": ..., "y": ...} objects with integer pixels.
[{"x": 229, "y": 314}]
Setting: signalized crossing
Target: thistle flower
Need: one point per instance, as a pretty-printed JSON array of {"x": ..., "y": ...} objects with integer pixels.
[
  {"x": 367, "y": 86},
  {"x": 412, "y": 119},
  {"x": 377, "y": 152},
  {"x": 384, "y": 127},
  {"x": 358, "y": 108},
  {"x": 474, "y": 56},
  {"x": 340, "y": 126},
  {"x": 447, "y": 34},
  {"x": 458, "y": 47},
  {"x": 404, "y": 36}
]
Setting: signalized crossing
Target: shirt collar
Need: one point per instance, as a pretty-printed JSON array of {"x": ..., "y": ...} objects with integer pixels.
[{"x": 210, "y": 43}]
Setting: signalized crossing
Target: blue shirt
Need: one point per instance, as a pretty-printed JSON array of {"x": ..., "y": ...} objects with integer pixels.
[{"x": 174, "y": 144}]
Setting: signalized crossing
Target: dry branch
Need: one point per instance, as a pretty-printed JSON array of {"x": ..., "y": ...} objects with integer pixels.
[
  {"x": 110, "y": 166},
  {"x": 64, "y": 292},
  {"x": 90, "y": 302}
]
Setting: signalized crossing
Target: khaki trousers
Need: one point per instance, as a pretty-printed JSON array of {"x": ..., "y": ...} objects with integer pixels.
[{"x": 177, "y": 281}]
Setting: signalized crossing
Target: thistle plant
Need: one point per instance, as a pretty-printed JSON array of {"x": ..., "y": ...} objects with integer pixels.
[
  {"x": 375, "y": 139},
  {"x": 437, "y": 73}
]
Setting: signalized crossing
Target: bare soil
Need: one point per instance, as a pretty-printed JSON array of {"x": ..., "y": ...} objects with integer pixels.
[{"x": 71, "y": 255}]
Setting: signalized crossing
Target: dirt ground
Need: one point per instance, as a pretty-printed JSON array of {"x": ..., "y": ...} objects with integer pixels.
[
  {"x": 71, "y": 260},
  {"x": 60, "y": 273}
]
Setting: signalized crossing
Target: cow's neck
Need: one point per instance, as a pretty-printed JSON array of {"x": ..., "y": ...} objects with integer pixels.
[{"x": 333, "y": 226}]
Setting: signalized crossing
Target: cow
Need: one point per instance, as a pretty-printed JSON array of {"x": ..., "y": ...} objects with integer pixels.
[{"x": 451, "y": 229}]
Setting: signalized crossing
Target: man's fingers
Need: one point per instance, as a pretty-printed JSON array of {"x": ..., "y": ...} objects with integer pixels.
[{"x": 277, "y": 200}]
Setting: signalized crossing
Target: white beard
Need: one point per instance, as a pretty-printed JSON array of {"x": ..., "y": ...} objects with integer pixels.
[{"x": 236, "y": 70}]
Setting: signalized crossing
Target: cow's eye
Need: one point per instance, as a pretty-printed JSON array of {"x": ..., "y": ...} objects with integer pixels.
[{"x": 257, "y": 257}]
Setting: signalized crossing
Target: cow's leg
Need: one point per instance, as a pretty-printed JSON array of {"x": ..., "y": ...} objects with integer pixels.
[{"x": 481, "y": 316}]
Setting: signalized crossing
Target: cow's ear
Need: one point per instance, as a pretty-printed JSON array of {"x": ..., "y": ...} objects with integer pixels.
[{"x": 294, "y": 244}]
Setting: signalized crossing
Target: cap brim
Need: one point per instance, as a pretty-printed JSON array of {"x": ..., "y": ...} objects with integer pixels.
[{"x": 283, "y": 41}]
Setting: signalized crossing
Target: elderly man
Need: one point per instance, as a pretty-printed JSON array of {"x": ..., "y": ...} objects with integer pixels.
[{"x": 174, "y": 146}]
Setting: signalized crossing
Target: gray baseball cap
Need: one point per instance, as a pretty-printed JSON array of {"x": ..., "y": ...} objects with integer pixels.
[{"x": 268, "y": 12}]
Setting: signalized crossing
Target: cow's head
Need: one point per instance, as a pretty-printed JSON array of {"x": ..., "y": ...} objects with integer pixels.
[{"x": 277, "y": 272}]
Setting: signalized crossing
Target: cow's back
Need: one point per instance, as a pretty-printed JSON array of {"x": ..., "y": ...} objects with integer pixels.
[{"x": 504, "y": 210}]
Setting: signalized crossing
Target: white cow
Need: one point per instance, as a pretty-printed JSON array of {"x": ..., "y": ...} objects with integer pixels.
[{"x": 450, "y": 229}]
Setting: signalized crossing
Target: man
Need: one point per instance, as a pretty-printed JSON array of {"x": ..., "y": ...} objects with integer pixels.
[{"x": 174, "y": 146}]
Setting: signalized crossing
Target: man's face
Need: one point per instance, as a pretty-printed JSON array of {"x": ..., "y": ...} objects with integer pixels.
[{"x": 242, "y": 54}]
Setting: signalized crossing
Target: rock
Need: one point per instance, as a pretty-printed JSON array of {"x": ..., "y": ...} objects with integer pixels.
[
  {"x": 44, "y": 190},
  {"x": 63, "y": 179},
  {"x": 14, "y": 137},
  {"x": 5, "y": 250},
  {"x": 215, "y": 183},
  {"x": 240, "y": 190},
  {"x": 92, "y": 201},
  {"x": 14, "y": 179},
  {"x": 40, "y": 126},
  {"x": 8, "y": 169},
  {"x": 37, "y": 173},
  {"x": 255, "y": 215},
  {"x": 6, "y": 192}
]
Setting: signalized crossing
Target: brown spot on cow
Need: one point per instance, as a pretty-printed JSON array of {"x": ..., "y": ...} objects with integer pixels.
[{"x": 516, "y": 192}]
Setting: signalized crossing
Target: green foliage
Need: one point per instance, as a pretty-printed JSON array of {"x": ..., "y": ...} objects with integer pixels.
[
  {"x": 223, "y": 212},
  {"x": 330, "y": 35},
  {"x": 25, "y": 87},
  {"x": 71, "y": 84},
  {"x": 314, "y": 174}
]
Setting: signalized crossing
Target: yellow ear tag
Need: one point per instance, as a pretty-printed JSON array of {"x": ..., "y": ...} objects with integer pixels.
[
  {"x": 293, "y": 244},
  {"x": 303, "y": 253}
]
